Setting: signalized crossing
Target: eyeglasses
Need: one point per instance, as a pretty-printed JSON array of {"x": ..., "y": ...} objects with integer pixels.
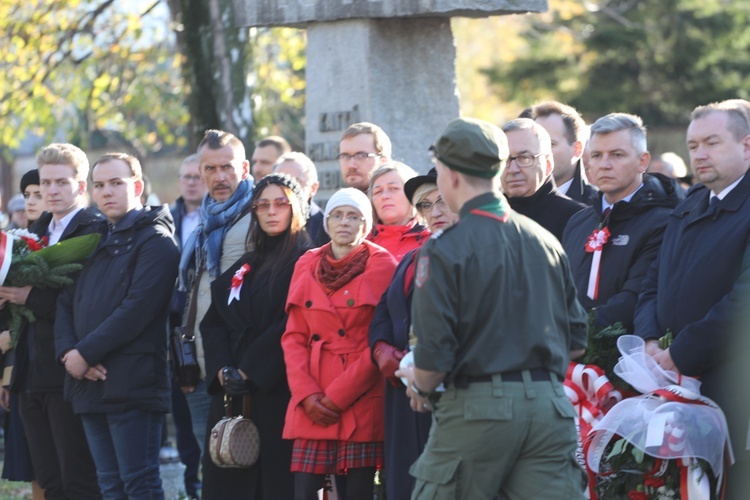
[
  {"x": 189, "y": 178},
  {"x": 425, "y": 207},
  {"x": 353, "y": 219},
  {"x": 361, "y": 156},
  {"x": 264, "y": 206},
  {"x": 524, "y": 161}
]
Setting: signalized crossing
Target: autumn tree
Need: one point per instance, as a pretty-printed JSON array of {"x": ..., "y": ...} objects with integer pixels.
[
  {"x": 71, "y": 67},
  {"x": 655, "y": 58}
]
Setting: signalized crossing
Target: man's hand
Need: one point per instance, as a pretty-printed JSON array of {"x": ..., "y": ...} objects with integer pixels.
[
  {"x": 5, "y": 398},
  {"x": 75, "y": 364},
  {"x": 95, "y": 373},
  {"x": 317, "y": 412},
  {"x": 5, "y": 341},
  {"x": 652, "y": 348},
  {"x": 388, "y": 358},
  {"x": 664, "y": 360},
  {"x": 15, "y": 294}
]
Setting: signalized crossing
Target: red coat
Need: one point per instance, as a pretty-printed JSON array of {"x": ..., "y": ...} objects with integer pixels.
[
  {"x": 326, "y": 349},
  {"x": 400, "y": 240}
]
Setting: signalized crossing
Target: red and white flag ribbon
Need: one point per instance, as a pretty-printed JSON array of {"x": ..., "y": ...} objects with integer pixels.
[
  {"x": 595, "y": 244},
  {"x": 6, "y": 255},
  {"x": 237, "y": 280}
]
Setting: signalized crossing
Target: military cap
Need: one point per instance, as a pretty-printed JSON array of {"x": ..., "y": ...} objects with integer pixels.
[{"x": 472, "y": 147}]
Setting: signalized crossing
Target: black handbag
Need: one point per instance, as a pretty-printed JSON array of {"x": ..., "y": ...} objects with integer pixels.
[
  {"x": 184, "y": 358},
  {"x": 182, "y": 346}
]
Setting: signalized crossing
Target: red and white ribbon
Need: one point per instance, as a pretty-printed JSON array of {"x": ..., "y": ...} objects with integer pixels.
[
  {"x": 591, "y": 394},
  {"x": 237, "y": 280},
  {"x": 6, "y": 255},
  {"x": 595, "y": 244}
]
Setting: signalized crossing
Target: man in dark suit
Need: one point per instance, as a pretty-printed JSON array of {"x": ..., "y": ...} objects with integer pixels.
[
  {"x": 633, "y": 210},
  {"x": 568, "y": 132},
  {"x": 528, "y": 182},
  {"x": 698, "y": 286},
  {"x": 57, "y": 444}
]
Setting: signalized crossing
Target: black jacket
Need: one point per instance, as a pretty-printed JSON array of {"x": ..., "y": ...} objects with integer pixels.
[
  {"x": 580, "y": 189},
  {"x": 697, "y": 288},
  {"x": 547, "y": 207},
  {"x": 246, "y": 334},
  {"x": 314, "y": 226},
  {"x": 636, "y": 229},
  {"x": 116, "y": 315},
  {"x": 37, "y": 368}
]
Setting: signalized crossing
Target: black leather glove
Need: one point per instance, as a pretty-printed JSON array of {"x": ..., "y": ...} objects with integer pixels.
[{"x": 234, "y": 384}]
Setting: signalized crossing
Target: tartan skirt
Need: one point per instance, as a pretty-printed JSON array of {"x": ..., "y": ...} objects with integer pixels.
[{"x": 315, "y": 456}]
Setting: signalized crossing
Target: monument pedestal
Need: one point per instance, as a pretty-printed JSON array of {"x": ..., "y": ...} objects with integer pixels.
[
  {"x": 396, "y": 73},
  {"x": 389, "y": 62}
]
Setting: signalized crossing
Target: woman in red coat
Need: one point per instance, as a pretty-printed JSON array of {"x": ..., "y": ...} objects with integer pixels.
[
  {"x": 398, "y": 228},
  {"x": 335, "y": 416}
]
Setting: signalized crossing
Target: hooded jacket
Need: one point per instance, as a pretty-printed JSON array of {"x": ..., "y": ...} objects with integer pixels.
[
  {"x": 636, "y": 229},
  {"x": 116, "y": 314}
]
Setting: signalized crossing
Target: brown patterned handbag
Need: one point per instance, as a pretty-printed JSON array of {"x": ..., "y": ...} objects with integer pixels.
[{"x": 234, "y": 441}]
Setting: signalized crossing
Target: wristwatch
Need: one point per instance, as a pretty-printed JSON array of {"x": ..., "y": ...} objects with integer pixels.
[{"x": 418, "y": 392}]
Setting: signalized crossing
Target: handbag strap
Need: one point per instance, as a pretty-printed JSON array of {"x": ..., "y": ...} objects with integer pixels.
[
  {"x": 245, "y": 406},
  {"x": 192, "y": 312}
]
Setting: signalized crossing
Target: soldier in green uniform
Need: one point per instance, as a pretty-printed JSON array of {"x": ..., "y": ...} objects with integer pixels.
[{"x": 496, "y": 319}]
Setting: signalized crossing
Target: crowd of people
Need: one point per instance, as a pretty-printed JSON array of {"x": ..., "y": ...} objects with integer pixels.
[{"x": 486, "y": 272}]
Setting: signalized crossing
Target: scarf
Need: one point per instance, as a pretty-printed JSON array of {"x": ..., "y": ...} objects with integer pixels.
[
  {"x": 332, "y": 274},
  {"x": 206, "y": 240}
]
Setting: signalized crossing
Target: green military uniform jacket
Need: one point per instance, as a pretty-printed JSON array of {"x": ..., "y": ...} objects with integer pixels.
[{"x": 493, "y": 294}]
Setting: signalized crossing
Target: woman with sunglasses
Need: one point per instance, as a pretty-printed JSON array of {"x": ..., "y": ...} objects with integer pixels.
[
  {"x": 398, "y": 228},
  {"x": 405, "y": 430},
  {"x": 335, "y": 416},
  {"x": 241, "y": 334}
]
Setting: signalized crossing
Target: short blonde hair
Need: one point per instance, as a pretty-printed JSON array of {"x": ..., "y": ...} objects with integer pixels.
[
  {"x": 404, "y": 171},
  {"x": 64, "y": 154}
]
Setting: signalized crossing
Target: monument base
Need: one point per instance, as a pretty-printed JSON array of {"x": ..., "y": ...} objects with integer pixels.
[{"x": 398, "y": 73}]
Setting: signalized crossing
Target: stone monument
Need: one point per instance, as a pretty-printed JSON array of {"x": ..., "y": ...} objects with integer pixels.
[{"x": 390, "y": 62}]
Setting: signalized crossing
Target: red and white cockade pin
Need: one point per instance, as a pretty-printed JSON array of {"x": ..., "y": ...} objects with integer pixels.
[{"x": 237, "y": 280}]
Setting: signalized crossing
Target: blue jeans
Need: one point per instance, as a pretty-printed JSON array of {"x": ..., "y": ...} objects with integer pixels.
[
  {"x": 187, "y": 444},
  {"x": 199, "y": 401},
  {"x": 125, "y": 447}
]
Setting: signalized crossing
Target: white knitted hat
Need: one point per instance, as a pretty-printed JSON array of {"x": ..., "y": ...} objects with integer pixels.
[{"x": 353, "y": 198}]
